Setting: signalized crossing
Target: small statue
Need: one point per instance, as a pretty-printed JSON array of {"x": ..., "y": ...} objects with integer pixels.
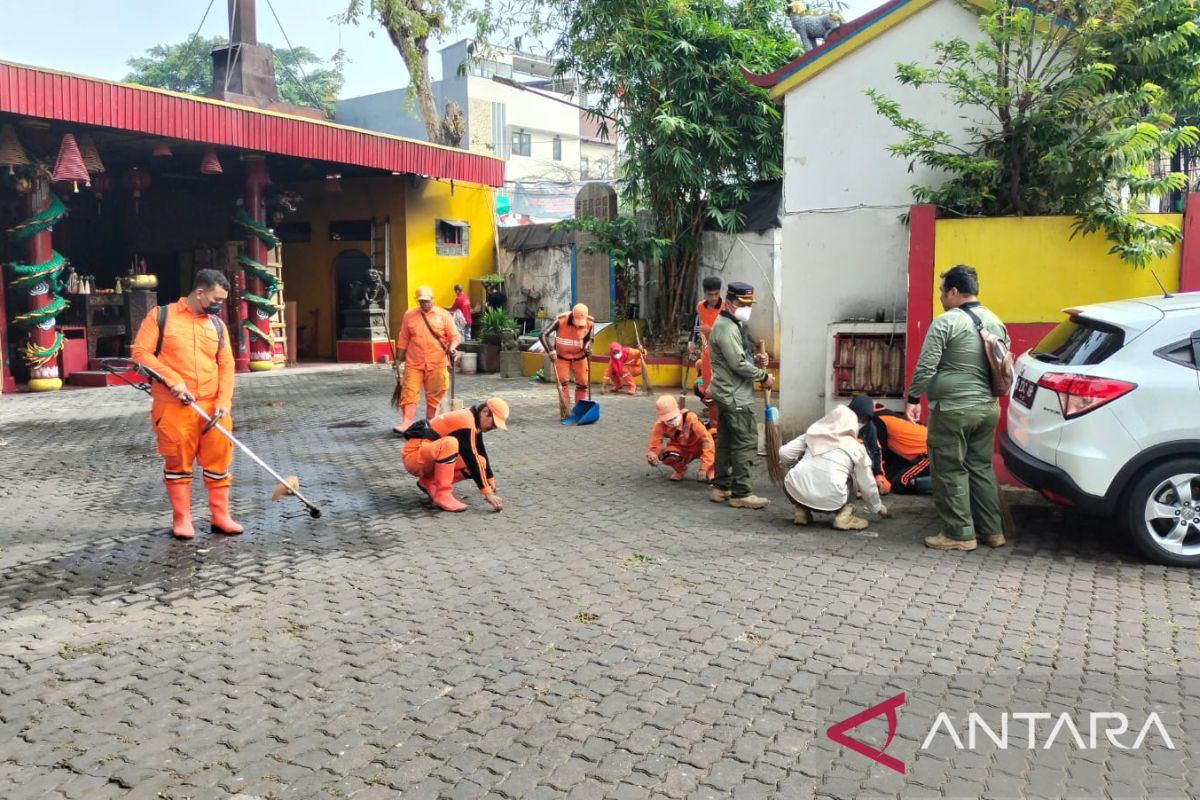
[
  {"x": 810, "y": 27},
  {"x": 509, "y": 341},
  {"x": 370, "y": 292}
]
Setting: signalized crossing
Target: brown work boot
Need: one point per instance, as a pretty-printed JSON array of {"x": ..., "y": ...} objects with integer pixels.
[
  {"x": 802, "y": 516},
  {"x": 943, "y": 542},
  {"x": 749, "y": 501},
  {"x": 718, "y": 495},
  {"x": 846, "y": 521},
  {"x": 994, "y": 539}
]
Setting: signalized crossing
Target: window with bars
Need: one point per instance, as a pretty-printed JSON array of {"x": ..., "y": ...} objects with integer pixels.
[{"x": 868, "y": 363}]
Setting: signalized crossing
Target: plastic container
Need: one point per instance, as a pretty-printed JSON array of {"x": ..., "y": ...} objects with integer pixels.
[{"x": 468, "y": 363}]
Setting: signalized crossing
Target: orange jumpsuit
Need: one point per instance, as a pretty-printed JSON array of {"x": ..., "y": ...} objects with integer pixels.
[
  {"x": 189, "y": 354},
  {"x": 691, "y": 440},
  {"x": 426, "y": 363},
  {"x": 457, "y": 456},
  {"x": 623, "y": 370},
  {"x": 704, "y": 367},
  {"x": 571, "y": 346},
  {"x": 706, "y": 316}
]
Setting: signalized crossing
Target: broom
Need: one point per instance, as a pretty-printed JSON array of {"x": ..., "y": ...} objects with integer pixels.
[
  {"x": 775, "y": 470},
  {"x": 395, "y": 365},
  {"x": 645, "y": 361}
]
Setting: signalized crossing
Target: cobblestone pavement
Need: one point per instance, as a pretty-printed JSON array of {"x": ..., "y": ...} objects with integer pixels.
[{"x": 609, "y": 635}]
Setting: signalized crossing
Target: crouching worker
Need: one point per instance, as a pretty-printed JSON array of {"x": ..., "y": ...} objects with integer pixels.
[
  {"x": 686, "y": 439},
  {"x": 449, "y": 448},
  {"x": 624, "y": 364},
  {"x": 898, "y": 447},
  {"x": 829, "y": 454}
]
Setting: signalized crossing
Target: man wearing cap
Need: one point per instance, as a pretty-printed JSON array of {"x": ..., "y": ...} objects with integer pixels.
[
  {"x": 686, "y": 439},
  {"x": 733, "y": 375},
  {"x": 624, "y": 364},
  {"x": 426, "y": 346},
  {"x": 573, "y": 333},
  {"x": 449, "y": 448}
]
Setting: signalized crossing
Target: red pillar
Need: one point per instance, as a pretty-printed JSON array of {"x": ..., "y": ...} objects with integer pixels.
[
  {"x": 262, "y": 355},
  {"x": 37, "y": 250},
  {"x": 7, "y": 383},
  {"x": 1189, "y": 250},
  {"x": 922, "y": 227}
]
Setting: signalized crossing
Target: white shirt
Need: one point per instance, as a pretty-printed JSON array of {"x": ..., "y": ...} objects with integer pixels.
[{"x": 820, "y": 482}]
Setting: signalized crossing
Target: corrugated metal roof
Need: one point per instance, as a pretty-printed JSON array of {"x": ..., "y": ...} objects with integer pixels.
[{"x": 44, "y": 93}]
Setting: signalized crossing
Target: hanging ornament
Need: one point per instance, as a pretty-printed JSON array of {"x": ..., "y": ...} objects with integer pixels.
[
  {"x": 91, "y": 156},
  {"x": 333, "y": 182},
  {"x": 161, "y": 150},
  {"x": 101, "y": 183},
  {"x": 210, "y": 165},
  {"x": 136, "y": 181},
  {"x": 12, "y": 154},
  {"x": 69, "y": 164}
]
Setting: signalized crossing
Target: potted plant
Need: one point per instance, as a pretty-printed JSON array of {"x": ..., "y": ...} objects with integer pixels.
[{"x": 492, "y": 327}]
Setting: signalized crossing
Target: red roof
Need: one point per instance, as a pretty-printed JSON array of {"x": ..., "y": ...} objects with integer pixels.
[{"x": 38, "y": 92}]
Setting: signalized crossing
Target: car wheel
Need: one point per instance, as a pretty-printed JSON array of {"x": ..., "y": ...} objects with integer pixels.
[{"x": 1162, "y": 513}]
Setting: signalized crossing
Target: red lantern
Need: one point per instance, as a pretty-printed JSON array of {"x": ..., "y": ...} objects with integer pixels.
[
  {"x": 101, "y": 184},
  {"x": 210, "y": 165},
  {"x": 136, "y": 181},
  {"x": 69, "y": 164}
]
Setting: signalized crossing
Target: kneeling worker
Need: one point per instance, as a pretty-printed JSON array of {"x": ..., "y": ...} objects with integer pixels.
[
  {"x": 686, "y": 440},
  {"x": 449, "y": 448},
  {"x": 898, "y": 447},
  {"x": 829, "y": 455},
  {"x": 624, "y": 364}
]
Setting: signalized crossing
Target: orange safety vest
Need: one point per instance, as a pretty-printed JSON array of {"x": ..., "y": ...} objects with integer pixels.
[
  {"x": 569, "y": 338},
  {"x": 904, "y": 438},
  {"x": 191, "y": 352},
  {"x": 707, "y": 316}
]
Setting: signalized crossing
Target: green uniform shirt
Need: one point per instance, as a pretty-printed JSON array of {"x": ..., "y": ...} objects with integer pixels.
[
  {"x": 952, "y": 368},
  {"x": 733, "y": 371}
]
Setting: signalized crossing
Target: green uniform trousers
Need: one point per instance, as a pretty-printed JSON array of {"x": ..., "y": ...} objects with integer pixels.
[
  {"x": 964, "y": 483},
  {"x": 737, "y": 446}
]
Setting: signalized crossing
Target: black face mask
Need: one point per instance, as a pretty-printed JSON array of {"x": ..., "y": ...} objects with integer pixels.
[{"x": 213, "y": 308}]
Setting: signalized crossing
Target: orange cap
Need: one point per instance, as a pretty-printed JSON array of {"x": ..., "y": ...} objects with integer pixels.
[
  {"x": 424, "y": 293},
  {"x": 579, "y": 314},
  {"x": 667, "y": 407},
  {"x": 499, "y": 408}
]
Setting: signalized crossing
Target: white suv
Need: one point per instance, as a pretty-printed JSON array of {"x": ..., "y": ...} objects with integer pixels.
[{"x": 1105, "y": 416}]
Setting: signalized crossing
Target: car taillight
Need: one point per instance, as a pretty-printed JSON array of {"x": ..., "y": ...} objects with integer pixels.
[{"x": 1079, "y": 394}]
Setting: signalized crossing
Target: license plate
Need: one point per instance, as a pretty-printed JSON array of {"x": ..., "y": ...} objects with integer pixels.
[{"x": 1024, "y": 392}]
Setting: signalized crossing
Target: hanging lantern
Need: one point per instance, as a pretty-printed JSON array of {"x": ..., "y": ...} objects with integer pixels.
[
  {"x": 69, "y": 164},
  {"x": 210, "y": 165},
  {"x": 91, "y": 156},
  {"x": 333, "y": 182},
  {"x": 136, "y": 181},
  {"x": 161, "y": 150},
  {"x": 101, "y": 183},
  {"x": 12, "y": 154}
]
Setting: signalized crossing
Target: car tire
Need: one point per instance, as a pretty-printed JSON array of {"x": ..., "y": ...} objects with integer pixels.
[{"x": 1162, "y": 512}]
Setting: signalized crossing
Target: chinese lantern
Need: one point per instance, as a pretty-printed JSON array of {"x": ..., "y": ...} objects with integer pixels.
[
  {"x": 161, "y": 150},
  {"x": 91, "y": 156},
  {"x": 136, "y": 181},
  {"x": 210, "y": 165},
  {"x": 12, "y": 154},
  {"x": 69, "y": 164},
  {"x": 101, "y": 183}
]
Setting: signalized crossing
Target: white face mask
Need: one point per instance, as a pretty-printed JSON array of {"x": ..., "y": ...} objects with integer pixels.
[{"x": 742, "y": 314}]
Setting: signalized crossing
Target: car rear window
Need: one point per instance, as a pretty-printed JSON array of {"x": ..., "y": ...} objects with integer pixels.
[{"x": 1079, "y": 341}]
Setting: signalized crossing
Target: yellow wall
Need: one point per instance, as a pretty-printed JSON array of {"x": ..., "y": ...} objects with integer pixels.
[
  {"x": 428, "y": 201},
  {"x": 412, "y": 204},
  {"x": 1030, "y": 268}
]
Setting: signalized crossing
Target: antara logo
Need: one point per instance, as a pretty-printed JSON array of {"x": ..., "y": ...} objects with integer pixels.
[{"x": 1016, "y": 729}]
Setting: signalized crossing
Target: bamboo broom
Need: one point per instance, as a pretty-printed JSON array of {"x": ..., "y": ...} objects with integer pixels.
[
  {"x": 395, "y": 365},
  {"x": 775, "y": 469},
  {"x": 645, "y": 361}
]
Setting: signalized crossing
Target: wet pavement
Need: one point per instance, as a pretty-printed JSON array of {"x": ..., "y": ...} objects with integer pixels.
[{"x": 610, "y": 634}]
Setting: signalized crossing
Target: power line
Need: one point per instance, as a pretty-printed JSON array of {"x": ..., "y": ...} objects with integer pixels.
[
  {"x": 203, "y": 19},
  {"x": 303, "y": 84}
]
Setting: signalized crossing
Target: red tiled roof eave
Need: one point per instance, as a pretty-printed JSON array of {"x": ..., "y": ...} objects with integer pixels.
[{"x": 47, "y": 94}]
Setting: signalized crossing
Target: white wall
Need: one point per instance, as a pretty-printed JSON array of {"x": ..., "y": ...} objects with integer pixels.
[
  {"x": 753, "y": 258},
  {"x": 542, "y": 118},
  {"x": 845, "y": 250}
]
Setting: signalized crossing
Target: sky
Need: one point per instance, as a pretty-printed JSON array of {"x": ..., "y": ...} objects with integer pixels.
[{"x": 96, "y": 38}]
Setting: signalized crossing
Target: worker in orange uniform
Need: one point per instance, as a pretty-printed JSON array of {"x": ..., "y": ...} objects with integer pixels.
[
  {"x": 573, "y": 333},
  {"x": 707, "y": 311},
  {"x": 686, "y": 440},
  {"x": 426, "y": 347},
  {"x": 624, "y": 364},
  {"x": 188, "y": 344},
  {"x": 449, "y": 448},
  {"x": 703, "y": 386}
]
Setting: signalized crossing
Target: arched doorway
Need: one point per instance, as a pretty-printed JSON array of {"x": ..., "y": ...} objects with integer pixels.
[{"x": 348, "y": 267}]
